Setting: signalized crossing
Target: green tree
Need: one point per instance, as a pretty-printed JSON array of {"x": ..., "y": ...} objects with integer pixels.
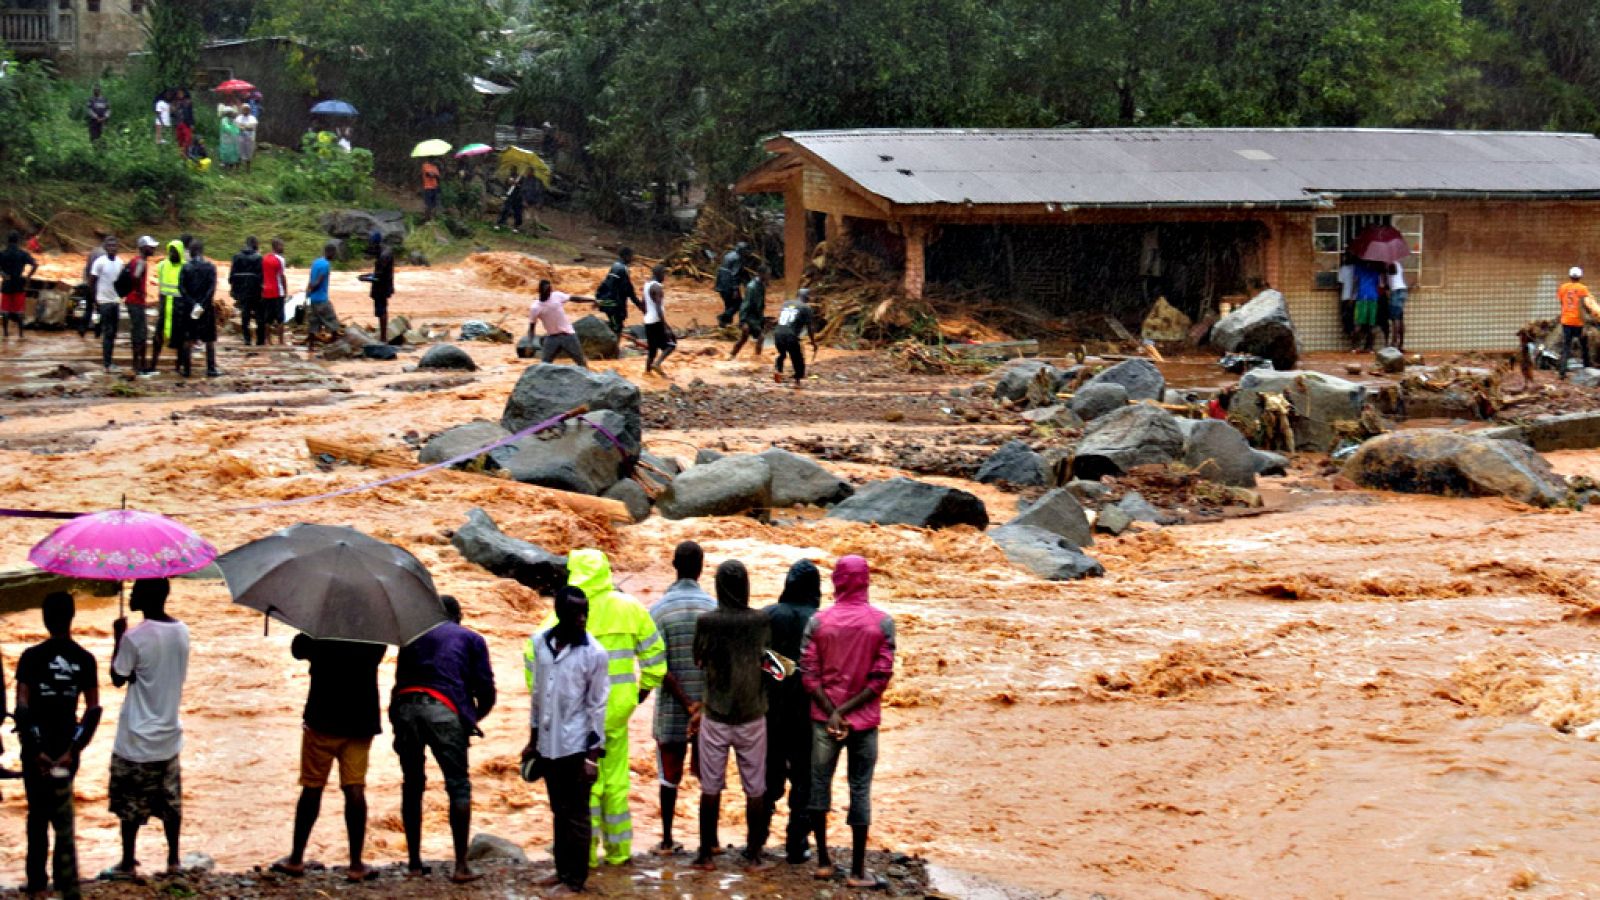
[
  {"x": 176, "y": 32},
  {"x": 406, "y": 64}
]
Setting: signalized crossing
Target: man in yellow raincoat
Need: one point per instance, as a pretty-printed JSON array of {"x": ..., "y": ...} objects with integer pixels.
[
  {"x": 167, "y": 272},
  {"x": 638, "y": 664}
]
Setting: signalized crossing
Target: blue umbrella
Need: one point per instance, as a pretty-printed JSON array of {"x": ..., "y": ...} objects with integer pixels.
[{"x": 334, "y": 108}]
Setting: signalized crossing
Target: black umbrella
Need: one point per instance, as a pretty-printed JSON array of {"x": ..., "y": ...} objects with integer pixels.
[{"x": 335, "y": 583}]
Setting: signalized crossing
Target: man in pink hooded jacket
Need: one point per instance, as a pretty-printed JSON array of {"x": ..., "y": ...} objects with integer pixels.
[{"x": 846, "y": 661}]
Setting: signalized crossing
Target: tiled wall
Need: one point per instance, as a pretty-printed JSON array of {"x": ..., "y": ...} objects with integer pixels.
[{"x": 1488, "y": 269}]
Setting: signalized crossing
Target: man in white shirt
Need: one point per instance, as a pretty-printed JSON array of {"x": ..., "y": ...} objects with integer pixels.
[
  {"x": 152, "y": 661},
  {"x": 570, "y": 681},
  {"x": 657, "y": 335},
  {"x": 1397, "y": 306},
  {"x": 1347, "y": 295},
  {"x": 163, "y": 117},
  {"x": 559, "y": 336},
  {"x": 105, "y": 272}
]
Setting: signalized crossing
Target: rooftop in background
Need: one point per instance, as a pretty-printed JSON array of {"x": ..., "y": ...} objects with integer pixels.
[{"x": 1162, "y": 167}]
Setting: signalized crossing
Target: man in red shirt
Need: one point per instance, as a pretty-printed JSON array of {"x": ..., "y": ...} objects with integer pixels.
[
  {"x": 274, "y": 287},
  {"x": 846, "y": 661},
  {"x": 138, "y": 331}
]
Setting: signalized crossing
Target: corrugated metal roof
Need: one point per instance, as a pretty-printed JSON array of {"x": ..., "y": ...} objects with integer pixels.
[{"x": 1209, "y": 167}]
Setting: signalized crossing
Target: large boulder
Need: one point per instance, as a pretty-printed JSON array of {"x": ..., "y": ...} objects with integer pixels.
[
  {"x": 575, "y": 456},
  {"x": 1390, "y": 360},
  {"x": 1216, "y": 451},
  {"x": 1139, "y": 377},
  {"x": 447, "y": 356},
  {"x": 630, "y": 494},
  {"x": 1166, "y": 324},
  {"x": 462, "y": 439},
  {"x": 1057, "y": 416},
  {"x": 528, "y": 346},
  {"x": 1092, "y": 401},
  {"x": 1044, "y": 553},
  {"x": 1132, "y": 436},
  {"x": 597, "y": 338},
  {"x": 482, "y": 542},
  {"x": 1059, "y": 513},
  {"x": 1261, "y": 328},
  {"x": 359, "y": 224},
  {"x": 50, "y": 309},
  {"x": 1014, "y": 463},
  {"x": 544, "y": 392},
  {"x": 729, "y": 486},
  {"x": 1326, "y": 409},
  {"x": 902, "y": 501},
  {"x": 1432, "y": 461},
  {"x": 1017, "y": 377},
  {"x": 800, "y": 481}
]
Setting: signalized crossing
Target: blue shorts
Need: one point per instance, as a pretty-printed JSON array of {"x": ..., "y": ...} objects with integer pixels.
[{"x": 1397, "y": 305}]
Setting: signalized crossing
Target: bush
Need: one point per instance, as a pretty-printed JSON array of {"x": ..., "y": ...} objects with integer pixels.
[{"x": 325, "y": 172}]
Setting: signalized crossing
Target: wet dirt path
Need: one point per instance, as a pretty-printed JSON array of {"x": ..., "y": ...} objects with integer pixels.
[{"x": 1369, "y": 696}]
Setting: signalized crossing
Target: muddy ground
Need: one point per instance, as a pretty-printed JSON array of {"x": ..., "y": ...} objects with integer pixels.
[{"x": 1341, "y": 694}]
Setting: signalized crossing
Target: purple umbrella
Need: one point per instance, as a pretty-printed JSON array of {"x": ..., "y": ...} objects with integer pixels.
[{"x": 1380, "y": 243}]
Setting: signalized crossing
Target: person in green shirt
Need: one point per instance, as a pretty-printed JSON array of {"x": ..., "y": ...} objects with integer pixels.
[{"x": 752, "y": 313}]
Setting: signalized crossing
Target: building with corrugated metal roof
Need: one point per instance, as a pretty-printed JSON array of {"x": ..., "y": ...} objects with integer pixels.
[{"x": 1093, "y": 222}]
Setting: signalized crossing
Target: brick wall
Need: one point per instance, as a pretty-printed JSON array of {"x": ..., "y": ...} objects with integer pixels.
[
  {"x": 1487, "y": 269},
  {"x": 105, "y": 36}
]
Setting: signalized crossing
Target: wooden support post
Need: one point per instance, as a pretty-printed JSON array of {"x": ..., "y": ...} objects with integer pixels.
[
  {"x": 916, "y": 276},
  {"x": 794, "y": 236}
]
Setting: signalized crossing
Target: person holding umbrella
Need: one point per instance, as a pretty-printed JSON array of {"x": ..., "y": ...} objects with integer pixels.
[
  {"x": 152, "y": 662},
  {"x": 341, "y": 719}
]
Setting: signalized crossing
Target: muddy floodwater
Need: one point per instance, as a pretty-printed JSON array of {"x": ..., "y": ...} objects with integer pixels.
[{"x": 1348, "y": 694}]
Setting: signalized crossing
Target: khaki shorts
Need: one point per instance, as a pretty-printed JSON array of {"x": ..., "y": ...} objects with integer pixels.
[{"x": 318, "y": 751}]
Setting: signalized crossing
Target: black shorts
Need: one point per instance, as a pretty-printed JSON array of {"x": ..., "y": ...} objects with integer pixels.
[{"x": 658, "y": 336}]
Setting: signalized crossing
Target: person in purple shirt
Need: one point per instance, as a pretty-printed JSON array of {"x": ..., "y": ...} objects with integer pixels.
[
  {"x": 443, "y": 687},
  {"x": 846, "y": 661}
]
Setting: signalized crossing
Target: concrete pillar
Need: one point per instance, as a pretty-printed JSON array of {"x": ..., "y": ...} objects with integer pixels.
[
  {"x": 916, "y": 276},
  {"x": 794, "y": 236}
]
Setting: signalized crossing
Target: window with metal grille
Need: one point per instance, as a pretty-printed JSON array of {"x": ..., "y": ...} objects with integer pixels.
[{"x": 1330, "y": 235}]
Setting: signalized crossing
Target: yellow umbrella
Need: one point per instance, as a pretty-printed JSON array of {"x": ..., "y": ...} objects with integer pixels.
[
  {"x": 434, "y": 147},
  {"x": 516, "y": 159}
]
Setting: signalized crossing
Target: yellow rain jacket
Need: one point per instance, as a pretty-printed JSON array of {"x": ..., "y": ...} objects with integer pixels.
[
  {"x": 167, "y": 280},
  {"x": 638, "y": 661}
]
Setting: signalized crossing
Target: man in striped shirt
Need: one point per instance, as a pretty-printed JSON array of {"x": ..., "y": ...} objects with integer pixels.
[{"x": 675, "y": 615}]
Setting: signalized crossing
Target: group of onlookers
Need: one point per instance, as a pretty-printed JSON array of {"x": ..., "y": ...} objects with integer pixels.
[
  {"x": 1372, "y": 299},
  {"x": 184, "y": 312},
  {"x": 786, "y": 690}
]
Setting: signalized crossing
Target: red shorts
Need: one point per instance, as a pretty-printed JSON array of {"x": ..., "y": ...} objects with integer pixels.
[{"x": 14, "y": 303}]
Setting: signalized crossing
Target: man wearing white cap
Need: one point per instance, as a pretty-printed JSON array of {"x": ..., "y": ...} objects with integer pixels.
[
  {"x": 1573, "y": 296},
  {"x": 139, "y": 268}
]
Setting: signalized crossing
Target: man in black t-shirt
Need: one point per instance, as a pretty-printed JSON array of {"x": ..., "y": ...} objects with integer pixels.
[
  {"x": 341, "y": 719},
  {"x": 51, "y": 677},
  {"x": 796, "y": 318},
  {"x": 16, "y": 267}
]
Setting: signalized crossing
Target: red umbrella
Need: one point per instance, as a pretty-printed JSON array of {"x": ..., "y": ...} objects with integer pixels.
[
  {"x": 1380, "y": 243},
  {"x": 234, "y": 86}
]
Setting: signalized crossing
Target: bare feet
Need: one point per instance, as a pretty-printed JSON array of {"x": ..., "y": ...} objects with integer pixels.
[
  {"x": 464, "y": 875},
  {"x": 758, "y": 864},
  {"x": 704, "y": 862},
  {"x": 865, "y": 883},
  {"x": 418, "y": 871},
  {"x": 291, "y": 869},
  {"x": 359, "y": 874}
]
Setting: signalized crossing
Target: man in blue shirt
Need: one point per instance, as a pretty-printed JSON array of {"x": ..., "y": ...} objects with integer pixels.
[
  {"x": 320, "y": 316},
  {"x": 443, "y": 687}
]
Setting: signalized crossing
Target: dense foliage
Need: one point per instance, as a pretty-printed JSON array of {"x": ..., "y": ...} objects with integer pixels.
[{"x": 652, "y": 90}]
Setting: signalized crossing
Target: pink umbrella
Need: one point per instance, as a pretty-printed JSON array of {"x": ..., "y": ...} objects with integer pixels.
[
  {"x": 122, "y": 545},
  {"x": 1380, "y": 243}
]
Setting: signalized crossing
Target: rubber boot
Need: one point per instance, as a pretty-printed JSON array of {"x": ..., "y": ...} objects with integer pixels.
[
  {"x": 758, "y": 819},
  {"x": 710, "y": 806}
]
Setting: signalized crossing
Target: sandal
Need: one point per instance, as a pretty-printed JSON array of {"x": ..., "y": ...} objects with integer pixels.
[
  {"x": 358, "y": 876},
  {"x": 875, "y": 883},
  {"x": 825, "y": 873},
  {"x": 284, "y": 867},
  {"x": 666, "y": 849}
]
